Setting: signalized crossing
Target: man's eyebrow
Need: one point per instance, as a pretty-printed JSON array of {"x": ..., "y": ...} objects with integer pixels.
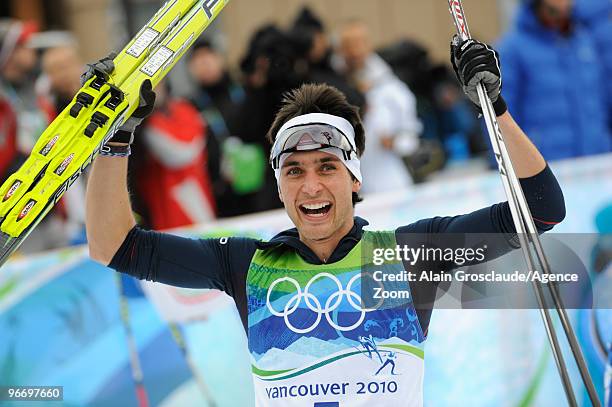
[
  {"x": 323, "y": 160},
  {"x": 290, "y": 163},
  {"x": 329, "y": 159}
]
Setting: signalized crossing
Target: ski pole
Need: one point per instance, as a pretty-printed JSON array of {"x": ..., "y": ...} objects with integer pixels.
[{"x": 524, "y": 223}]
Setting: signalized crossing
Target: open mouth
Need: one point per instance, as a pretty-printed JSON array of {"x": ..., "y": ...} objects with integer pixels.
[{"x": 316, "y": 209}]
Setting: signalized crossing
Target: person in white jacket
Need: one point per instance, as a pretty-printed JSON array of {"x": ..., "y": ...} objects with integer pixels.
[{"x": 390, "y": 119}]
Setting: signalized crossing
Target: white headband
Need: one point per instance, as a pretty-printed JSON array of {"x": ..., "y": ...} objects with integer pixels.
[{"x": 343, "y": 125}]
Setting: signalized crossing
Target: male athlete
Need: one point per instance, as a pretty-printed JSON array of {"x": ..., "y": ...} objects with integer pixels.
[{"x": 298, "y": 294}]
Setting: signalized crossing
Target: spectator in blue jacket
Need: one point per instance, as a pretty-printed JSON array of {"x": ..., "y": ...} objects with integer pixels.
[
  {"x": 597, "y": 16},
  {"x": 553, "y": 81}
]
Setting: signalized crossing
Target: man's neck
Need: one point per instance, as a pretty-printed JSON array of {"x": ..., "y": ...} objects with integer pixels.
[{"x": 324, "y": 248}]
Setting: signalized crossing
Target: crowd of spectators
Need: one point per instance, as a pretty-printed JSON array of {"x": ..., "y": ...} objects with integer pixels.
[{"x": 204, "y": 156}]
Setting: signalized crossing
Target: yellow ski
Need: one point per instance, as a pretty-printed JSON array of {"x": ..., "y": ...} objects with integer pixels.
[{"x": 73, "y": 140}]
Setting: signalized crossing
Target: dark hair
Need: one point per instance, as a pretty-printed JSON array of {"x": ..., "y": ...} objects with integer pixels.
[
  {"x": 308, "y": 19},
  {"x": 319, "y": 98},
  {"x": 202, "y": 43}
]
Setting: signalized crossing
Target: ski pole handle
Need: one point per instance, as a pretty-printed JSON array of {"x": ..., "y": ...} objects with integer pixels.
[
  {"x": 456, "y": 10},
  {"x": 463, "y": 31}
]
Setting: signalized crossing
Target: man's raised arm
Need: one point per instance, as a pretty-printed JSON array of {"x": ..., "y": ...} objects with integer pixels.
[
  {"x": 109, "y": 213},
  {"x": 476, "y": 62},
  {"x": 108, "y": 209}
]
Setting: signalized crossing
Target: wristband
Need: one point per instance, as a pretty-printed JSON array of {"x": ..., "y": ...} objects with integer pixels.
[
  {"x": 122, "y": 136},
  {"x": 500, "y": 106},
  {"x": 115, "y": 151}
]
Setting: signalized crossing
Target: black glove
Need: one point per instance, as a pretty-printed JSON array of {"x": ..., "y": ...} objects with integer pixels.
[
  {"x": 475, "y": 62},
  {"x": 125, "y": 134},
  {"x": 104, "y": 65}
]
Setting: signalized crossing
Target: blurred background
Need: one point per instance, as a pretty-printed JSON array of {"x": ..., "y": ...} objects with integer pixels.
[{"x": 199, "y": 167}]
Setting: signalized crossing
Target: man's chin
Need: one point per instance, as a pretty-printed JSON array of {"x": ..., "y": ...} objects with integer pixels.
[{"x": 315, "y": 231}]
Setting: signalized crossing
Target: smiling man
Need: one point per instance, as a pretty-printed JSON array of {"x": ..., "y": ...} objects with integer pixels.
[
  {"x": 315, "y": 157},
  {"x": 299, "y": 294}
]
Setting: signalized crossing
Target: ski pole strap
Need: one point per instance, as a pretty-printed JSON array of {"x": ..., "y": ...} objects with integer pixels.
[{"x": 115, "y": 151}]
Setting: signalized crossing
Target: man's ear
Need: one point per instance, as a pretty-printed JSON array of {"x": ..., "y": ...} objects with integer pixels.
[
  {"x": 280, "y": 195},
  {"x": 356, "y": 185}
]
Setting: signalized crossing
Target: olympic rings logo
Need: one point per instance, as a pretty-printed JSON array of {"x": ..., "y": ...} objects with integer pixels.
[{"x": 313, "y": 303}]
